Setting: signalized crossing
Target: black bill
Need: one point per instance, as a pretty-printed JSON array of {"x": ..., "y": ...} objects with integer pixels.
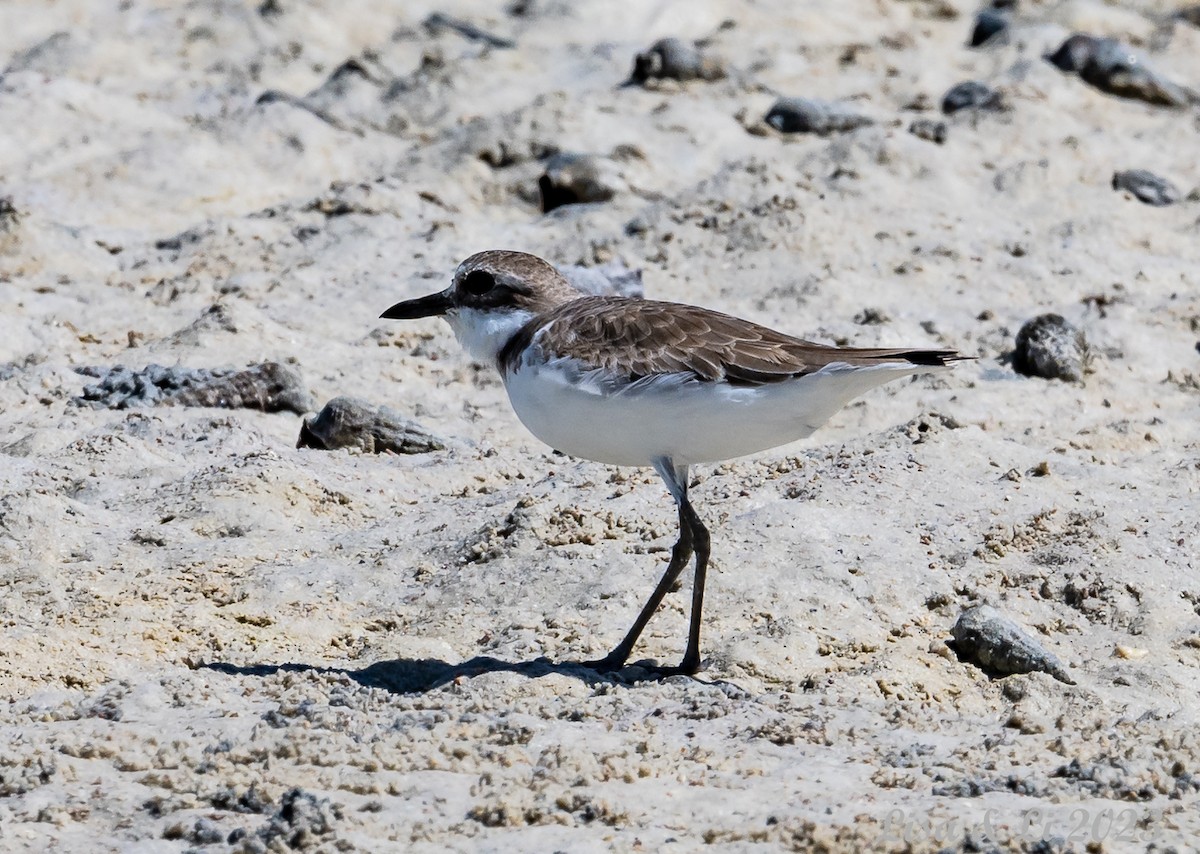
[{"x": 427, "y": 306}]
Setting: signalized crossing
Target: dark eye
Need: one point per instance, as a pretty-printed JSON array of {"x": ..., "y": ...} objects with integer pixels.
[{"x": 478, "y": 282}]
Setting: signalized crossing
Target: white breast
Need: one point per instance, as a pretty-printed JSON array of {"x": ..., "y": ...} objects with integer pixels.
[
  {"x": 483, "y": 333},
  {"x": 598, "y": 416}
]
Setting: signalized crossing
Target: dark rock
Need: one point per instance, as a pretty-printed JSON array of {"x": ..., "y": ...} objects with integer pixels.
[
  {"x": 610, "y": 279},
  {"x": 302, "y": 821},
  {"x": 976, "y": 786},
  {"x": 184, "y": 239},
  {"x": 202, "y": 832},
  {"x": 1115, "y": 68},
  {"x": 971, "y": 95},
  {"x": 1074, "y": 53},
  {"x": 930, "y": 129},
  {"x": 807, "y": 115},
  {"x": 1146, "y": 187},
  {"x": 269, "y": 386},
  {"x": 1049, "y": 347},
  {"x": 872, "y": 317},
  {"x": 249, "y": 801},
  {"x": 572, "y": 179},
  {"x": 988, "y": 24},
  {"x": 205, "y": 832},
  {"x": 345, "y": 422},
  {"x": 994, "y": 642},
  {"x": 674, "y": 59}
]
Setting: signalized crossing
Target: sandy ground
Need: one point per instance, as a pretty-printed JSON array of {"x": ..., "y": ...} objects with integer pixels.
[{"x": 197, "y": 619}]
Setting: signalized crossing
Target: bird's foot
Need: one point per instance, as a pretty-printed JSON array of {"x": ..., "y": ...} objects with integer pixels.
[
  {"x": 613, "y": 663},
  {"x": 683, "y": 668}
]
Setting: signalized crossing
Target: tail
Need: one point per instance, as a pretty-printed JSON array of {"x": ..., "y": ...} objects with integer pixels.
[
  {"x": 865, "y": 357},
  {"x": 851, "y": 372}
]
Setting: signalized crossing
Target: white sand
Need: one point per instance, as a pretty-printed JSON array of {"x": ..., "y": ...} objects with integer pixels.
[{"x": 336, "y": 594}]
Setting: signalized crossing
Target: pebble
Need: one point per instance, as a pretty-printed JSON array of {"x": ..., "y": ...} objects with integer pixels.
[
  {"x": 611, "y": 279},
  {"x": 1146, "y": 187},
  {"x": 994, "y": 642},
  {"x": 930, "y": 129},
  {"x": 301, "y": 822},
  {"x": 988, "y": 24},
  {"x": 346, "y": 422},
  {"x": 808, "y": 115},
  {"x": 1115, "y": 68},
  {"x": 270, "y": 387},
  {"x": 571, "y": 179},
  {"x": 1049, "y": 347},
  {"x": 1130, "y": 653},
  {"x": 674, "y": 59},
  {"x": 971, "y": 95}
]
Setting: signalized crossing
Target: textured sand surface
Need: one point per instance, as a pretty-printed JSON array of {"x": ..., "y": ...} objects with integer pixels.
[{"x": 198, "y": 619}]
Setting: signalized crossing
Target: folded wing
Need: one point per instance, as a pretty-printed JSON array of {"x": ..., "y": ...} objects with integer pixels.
[{"x": 645, "y": 338}]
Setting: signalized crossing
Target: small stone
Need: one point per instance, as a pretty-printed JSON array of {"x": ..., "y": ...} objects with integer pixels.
[
  {"x": 1146, "y": 187},
  {"x": 1115, "y": 68},
  {"x": 1049, "y": 347},
  {"x": 674, "y": 59},
  {"x": 988, "y": 24},
  {"x": 1130, "y": 653},
  {"x": 346, "y": 422},
  {"x": 301, "y": 821},
  {"x": 270, "y": 387},
  {"x": 929, "y": 129},
  {"x": 871, "y": 317},
  {"x": 971, "y": 95},
  {"x": 807, "y": 115},
  {"x": 571, "y": 179},
  {"x": 205, "y": 832},
  {"x": 994, "y": 642}
]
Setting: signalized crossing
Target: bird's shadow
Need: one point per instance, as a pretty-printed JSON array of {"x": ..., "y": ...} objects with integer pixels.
[{"x": 420, "y": 675}]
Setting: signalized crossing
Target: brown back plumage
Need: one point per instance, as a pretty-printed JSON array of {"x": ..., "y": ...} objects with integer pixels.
[{"x": 645, "y": 338}]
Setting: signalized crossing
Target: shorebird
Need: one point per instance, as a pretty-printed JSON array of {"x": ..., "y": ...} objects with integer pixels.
[{"x": 636, "y": 382}]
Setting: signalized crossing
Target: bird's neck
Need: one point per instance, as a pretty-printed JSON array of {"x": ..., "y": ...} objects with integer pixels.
[{"x": 485, "y": 333}]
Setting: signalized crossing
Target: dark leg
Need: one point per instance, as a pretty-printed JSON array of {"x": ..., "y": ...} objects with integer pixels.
[
  {"x": 691, "y": 533},
  {"x": 680, "y": 555},
  {"x": 691, "y": 657}
]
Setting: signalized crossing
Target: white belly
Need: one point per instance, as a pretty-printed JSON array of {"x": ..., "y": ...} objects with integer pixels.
[{"x": 589, "y": 415}]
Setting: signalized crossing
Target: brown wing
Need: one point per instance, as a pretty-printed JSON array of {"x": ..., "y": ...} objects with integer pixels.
[{"x": 647, "y": 338}]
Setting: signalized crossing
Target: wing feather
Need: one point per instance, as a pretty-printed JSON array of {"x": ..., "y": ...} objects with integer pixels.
[{"x": 648, "y": 338}]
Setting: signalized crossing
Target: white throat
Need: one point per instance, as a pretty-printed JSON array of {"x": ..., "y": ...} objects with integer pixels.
[{"x": 484, "y": 332}]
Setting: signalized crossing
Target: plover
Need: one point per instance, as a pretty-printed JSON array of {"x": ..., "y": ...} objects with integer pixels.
[{"x": 636, "y": 382}]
